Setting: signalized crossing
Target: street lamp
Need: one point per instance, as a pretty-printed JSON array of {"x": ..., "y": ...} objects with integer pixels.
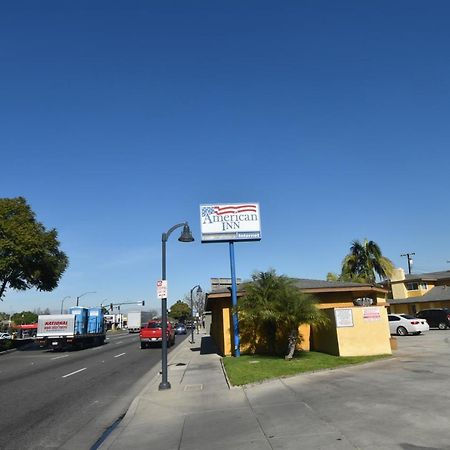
[
  {"x": 78, "y": 298},
  {"x": 199, "y": 290},
  {"x": 186, "y": 236},
  {"x": 62, "y": 302}
]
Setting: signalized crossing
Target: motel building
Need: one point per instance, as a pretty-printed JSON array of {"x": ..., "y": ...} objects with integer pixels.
[
  {"x": 411, "y": 293},
  {"x": 357, "y": 312},
  {"x": 358, "y": 319}
]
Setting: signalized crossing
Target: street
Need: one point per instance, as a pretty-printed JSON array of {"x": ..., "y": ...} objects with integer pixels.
[{"x": 68, "y": 399}]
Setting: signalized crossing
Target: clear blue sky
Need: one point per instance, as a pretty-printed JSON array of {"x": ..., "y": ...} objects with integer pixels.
[{"x": 118, "y": 119}]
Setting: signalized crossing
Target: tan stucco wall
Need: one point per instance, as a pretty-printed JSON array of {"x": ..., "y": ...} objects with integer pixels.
[
  {"x": 399, "y": 309},
  {"x": 366, "y": 337},
  {"x": 397, "y": 283},
  {"x": 325, "y": 339},
  {"x": 399, "y": 290},
  {"x": 407, "y": 308}
]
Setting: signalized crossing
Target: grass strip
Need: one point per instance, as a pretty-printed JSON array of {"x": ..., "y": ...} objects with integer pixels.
[{"x": 255, "y": 368}]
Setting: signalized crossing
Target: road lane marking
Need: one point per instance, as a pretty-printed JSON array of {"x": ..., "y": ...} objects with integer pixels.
[
  {"x": 121, "y": 354},
  {"x": 73, "y": 373},
  {"x": 120, "y": 342},
  {"x": 58, "y": 357}
]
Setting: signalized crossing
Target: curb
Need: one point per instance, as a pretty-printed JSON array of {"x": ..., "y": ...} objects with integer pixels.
[
  {"x": 131, "y": 411},
  {"x": 4, "y": 352},
  {"x": 226, "y": 375}
]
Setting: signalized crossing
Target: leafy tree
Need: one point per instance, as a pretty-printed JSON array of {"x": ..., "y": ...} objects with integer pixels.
[
  {"x": 198, "y": 302},
  {"x": 180, "y": 311},
  {"x": 24, "y": 317},
  {"x": 29, "y": 254},
  {"x": 365, "y": 262},
  {"x": 274, "y": 306},
  {"x": 345, "y": 277}
]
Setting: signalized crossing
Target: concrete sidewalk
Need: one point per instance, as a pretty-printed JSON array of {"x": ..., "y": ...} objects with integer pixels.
[
  {"x": 200, "y": 411},
  {"x": 358, "y": 407}
]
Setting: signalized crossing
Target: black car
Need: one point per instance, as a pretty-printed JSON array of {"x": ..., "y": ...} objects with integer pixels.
[{"x": 436, "y": 317}]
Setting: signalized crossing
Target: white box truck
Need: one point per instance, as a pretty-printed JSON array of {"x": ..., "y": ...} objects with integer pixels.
[
  {"x": 61, "y": 331},
  {"x": 136, "y": 319}
]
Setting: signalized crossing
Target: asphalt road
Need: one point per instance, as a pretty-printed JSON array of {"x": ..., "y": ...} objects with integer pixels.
[{"x": 66, "y": 400}]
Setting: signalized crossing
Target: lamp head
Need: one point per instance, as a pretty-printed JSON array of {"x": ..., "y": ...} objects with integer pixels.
[
  {"x": 199, "y": 290},
  {"x": 186, "y": 235}
]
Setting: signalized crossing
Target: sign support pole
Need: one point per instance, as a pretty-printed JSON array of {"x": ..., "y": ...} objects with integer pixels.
[{"x": 237, "y": 350}]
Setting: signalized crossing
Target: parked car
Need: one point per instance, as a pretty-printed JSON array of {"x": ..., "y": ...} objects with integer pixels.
[
  {"x": 5, "y": 336},
  {"x": 436, "y": 317},
  {"x": 403, "y": 324},
  {"x": 180, "y": 328}
]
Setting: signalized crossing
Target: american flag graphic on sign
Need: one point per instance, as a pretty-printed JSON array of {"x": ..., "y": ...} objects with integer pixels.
[{"x": 228, "y": 209}]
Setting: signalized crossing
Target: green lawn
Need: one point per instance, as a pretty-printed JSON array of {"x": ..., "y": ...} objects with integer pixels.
[{"x": 250, "y": 369}]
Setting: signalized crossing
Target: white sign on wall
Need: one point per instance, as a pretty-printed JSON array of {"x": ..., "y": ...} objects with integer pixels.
[
  {"x": 372, "y": 313},
  {"x": 230, "y": 222},
  {"x": 344, "y": 317},
  {"x": 161, "y": 288}
]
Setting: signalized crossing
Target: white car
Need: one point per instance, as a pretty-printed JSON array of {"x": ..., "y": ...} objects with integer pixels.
[
  {"x": 403, "y": 324},
  {"x": 5, "y": 336}
]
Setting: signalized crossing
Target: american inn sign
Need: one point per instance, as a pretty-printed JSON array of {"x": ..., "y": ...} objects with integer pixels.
[{"x": 230, "y": 222}]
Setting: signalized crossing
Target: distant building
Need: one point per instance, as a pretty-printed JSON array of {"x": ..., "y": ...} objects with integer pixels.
[{"x": 412, "y": 292}]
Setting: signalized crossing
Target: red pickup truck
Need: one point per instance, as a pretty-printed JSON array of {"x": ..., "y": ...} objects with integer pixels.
[{"x": 151, "y": 333}]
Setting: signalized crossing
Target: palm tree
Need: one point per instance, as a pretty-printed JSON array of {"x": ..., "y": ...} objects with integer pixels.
[
  {"x": 365, "y": 262},
  {"x": 273, "y": 306}
]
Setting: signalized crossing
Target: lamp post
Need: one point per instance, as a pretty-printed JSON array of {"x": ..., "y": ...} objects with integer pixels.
[
  {"x": 78, "y": 298},
  {"x": 186, "y": 236},
  {"x": 62, "y": 302},
  {"x": 199, "y": 289}
]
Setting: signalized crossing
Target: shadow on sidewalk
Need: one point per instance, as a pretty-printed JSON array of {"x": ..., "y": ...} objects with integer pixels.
[{"x": 207, "y": 346}]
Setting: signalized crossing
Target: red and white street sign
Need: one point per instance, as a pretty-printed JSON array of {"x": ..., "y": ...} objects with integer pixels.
[{"x": 161, "y": 288}]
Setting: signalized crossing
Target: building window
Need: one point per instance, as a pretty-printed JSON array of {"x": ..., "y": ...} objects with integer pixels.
[
  {"x": 414, "y": 286},
  {"x": 423, "y": 285}
]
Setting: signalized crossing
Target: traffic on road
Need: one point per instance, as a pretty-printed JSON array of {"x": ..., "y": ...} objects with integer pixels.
[{"x": 67, "y": 399}]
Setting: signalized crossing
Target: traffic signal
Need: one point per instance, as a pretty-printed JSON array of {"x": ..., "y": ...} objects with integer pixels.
[
  {"x": 143, "y": 302},
  {"x": 111, "y": 307}
]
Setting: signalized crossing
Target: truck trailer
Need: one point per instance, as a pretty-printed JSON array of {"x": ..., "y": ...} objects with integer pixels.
[
  {"x": 136, "y": 319},
  {"x": 82, "y": 328}
]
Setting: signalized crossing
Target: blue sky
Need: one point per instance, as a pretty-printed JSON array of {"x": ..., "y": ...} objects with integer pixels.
[{"x": 118, "y": 119}]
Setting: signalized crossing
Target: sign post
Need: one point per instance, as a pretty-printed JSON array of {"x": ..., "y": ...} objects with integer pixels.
[{"x": 231, "y": 223}]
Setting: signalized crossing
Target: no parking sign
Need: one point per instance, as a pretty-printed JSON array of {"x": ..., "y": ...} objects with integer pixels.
[{"x": 161, "y": 288}]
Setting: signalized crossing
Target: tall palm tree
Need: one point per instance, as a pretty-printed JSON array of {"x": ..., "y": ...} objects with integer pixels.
[
  {"x": 365, "y": 262},
  {"x": 273, "y": 306}
]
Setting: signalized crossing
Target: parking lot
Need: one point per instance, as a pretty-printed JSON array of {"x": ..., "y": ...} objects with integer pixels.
[{"x": 398, "y": 403}]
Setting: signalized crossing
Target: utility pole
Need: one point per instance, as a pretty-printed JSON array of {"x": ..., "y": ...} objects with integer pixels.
[{"x": 410, "y": 261}]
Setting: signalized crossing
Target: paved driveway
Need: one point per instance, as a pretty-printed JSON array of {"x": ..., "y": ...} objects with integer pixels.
[
  {"x": 397, "y": 403},
  {"x": 400, "y": 403}
]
